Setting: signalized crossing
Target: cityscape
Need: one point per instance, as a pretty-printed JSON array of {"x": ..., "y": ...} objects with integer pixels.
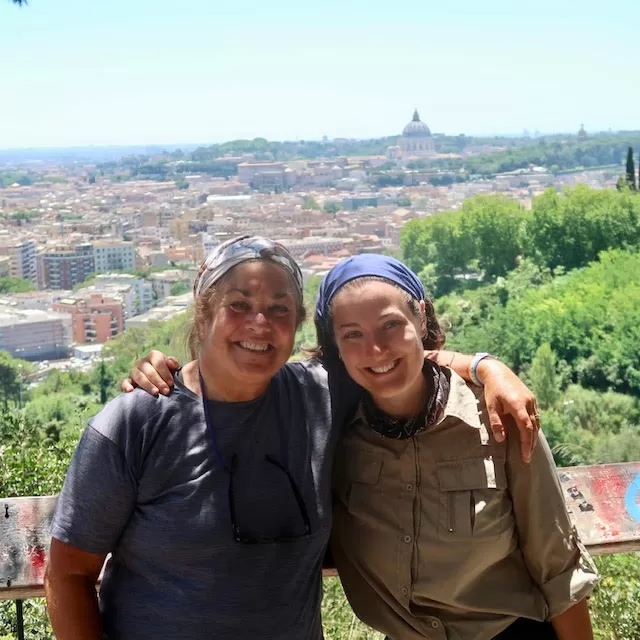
[
  {"x": 101, "y": 254},
  {"x": 493, "y": 148}
]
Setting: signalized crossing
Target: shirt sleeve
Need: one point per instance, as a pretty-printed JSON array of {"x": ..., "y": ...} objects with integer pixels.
[
  {"x": 98, "y": 495},
  {"x": 555, "y": 557}
]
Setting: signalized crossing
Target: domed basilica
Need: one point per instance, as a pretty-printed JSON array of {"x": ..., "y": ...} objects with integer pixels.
[{"x": 416, "y": 139}]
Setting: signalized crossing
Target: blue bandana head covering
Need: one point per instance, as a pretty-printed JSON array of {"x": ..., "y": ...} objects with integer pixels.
[{"x": 366, "y": 264}]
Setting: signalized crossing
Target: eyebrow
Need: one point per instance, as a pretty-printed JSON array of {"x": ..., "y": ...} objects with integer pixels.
[
  {"x": 278, "y": 295},
  {"x": 348, "y": 324},
  {"x": 357, "y": 324}
]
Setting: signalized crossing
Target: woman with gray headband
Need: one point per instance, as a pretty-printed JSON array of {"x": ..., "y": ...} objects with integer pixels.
[{"x": 215, "y": 501}]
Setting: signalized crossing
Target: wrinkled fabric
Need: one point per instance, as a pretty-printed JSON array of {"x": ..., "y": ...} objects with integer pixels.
[
  {"x": 449, "y": 534},
  {"x": 145, "y": 485},
  {"x": 233, "y": 252}
]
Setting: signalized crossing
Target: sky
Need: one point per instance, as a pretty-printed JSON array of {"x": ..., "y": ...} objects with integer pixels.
[{"x": 90, "y": 72}]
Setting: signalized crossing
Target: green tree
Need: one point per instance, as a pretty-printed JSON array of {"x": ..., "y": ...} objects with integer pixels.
[
  {"x": 332, "y": 207},
  {"x": 178, "y": 288},
  {"x": 543, "y": 376},
  {"x": 494, "y": 226},
  {"x": 590, "y": 317},
  {"x": 310, "y": 203},
  {"x": 631, "y": 170},
  {"x": 443, "y": 241},
  {"x": 571, "y": 228},
  {"x": 428, "y": 278},
  {"x": 103, "y": 382},
  {"x": 12, "y": 375},
  {"x": 15, "y": 285}
]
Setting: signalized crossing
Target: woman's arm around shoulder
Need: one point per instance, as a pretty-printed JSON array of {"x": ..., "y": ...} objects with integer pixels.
[{"x": 507, "y": 398}]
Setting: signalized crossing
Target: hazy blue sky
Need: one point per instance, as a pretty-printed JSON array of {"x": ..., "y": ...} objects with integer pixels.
[{"x": 143, "y": 71}]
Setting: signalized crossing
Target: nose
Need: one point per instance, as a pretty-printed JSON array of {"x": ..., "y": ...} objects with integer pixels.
[
  {"x": 374, "y": 348},
  {"x": 259, "y": 320}
]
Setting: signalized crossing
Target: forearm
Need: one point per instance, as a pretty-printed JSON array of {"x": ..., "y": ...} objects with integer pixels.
[
  {"x": 574, "y": 623},
  {"x": 72, "y": 604},
  {"x": 461, "y": 363},
  {"x": 458, "y": 362}
]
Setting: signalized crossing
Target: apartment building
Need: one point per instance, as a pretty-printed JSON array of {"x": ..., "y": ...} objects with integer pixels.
[
  {"x": 137, "y": 293},
  {"x": 114, "y": 255},
  {"x": 5, "y": 266},
  {"x": 65, "y": 267},
  {"x": 315, "y": 245},
  {"x": 94, "y": 317},
  {"x": 247, "y": 171},
  {"x": 165, "y": 281},
  {"x": 22, "y": 258},
  {"x": 33, "y": 334}
]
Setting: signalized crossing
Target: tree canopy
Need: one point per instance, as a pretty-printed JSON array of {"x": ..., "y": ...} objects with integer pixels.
[{"x": 490, "y": 235}]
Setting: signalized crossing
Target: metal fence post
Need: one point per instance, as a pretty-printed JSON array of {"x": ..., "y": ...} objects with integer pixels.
[{"x": 20, "y": 619}]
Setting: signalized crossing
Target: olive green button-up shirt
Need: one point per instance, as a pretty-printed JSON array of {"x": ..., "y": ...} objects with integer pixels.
[{"x": 449, "y": 535}]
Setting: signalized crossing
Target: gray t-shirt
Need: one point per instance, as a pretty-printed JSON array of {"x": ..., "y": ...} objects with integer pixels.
[{"x": 146, "y": 485}]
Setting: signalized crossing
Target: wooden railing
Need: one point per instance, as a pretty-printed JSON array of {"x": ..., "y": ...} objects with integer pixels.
[{"x": 603, "y": 501}]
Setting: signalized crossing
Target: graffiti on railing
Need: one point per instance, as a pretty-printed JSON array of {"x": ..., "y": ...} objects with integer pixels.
[
  {"x": 24, "y": 540},
  {"x": 632, "y": 498},
  {"x": 604, "y": 501}
]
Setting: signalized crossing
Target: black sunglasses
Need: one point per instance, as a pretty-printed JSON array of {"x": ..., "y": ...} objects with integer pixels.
[{"x": 243, "y": 538}]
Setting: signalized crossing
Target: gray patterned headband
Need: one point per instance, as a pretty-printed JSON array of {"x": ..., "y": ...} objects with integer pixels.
[{"x": 233, "y": 252}]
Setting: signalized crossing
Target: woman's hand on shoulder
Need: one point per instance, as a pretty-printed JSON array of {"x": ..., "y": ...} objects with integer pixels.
[
  {"x": 153, "y": 374},
  {"x": 506, "y": 397}
]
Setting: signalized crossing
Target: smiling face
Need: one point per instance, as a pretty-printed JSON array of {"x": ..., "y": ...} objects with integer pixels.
[
  {"x": 380, "y": 342},
  {"x": 249, "y": 332}
]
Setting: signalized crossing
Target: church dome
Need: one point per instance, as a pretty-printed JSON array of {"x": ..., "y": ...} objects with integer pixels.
[{"x": 416, "y": 128}]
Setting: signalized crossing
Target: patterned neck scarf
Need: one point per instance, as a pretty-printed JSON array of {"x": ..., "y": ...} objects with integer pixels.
[{"x": 402, "y": 428}]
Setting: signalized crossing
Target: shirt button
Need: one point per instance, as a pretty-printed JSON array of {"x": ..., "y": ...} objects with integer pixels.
[
  {"x": 409, "y": 487},
  {"x": 435, "y": 624},
  {"x": 407, "y": 539},
  {"x": 405, "y": 591}
]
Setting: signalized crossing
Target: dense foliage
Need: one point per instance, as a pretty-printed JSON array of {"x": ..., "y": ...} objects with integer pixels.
[
  {"x": 590, "y": 317},
  {"x": 15, "y": 285},
  {"x": 554, "y": 155},
  {"x": 563, "y": 309},
  {"x": 490, "y": 235}
]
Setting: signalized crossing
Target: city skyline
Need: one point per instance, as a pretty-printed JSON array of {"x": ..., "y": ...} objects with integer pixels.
[{"x": 146, "y": 73}]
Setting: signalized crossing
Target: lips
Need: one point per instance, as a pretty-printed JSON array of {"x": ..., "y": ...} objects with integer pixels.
[
  {"x": 385, "y": 368},
  {"x": 255, "y": 347}
]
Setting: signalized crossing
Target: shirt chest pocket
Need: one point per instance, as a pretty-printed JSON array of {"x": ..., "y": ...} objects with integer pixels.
[
  {"x": 473, "y": 499},
  {"x": 363, "y": 476}
]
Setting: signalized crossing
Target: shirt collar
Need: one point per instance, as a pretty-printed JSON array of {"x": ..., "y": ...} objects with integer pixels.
[{"x": 462, "y": 403}]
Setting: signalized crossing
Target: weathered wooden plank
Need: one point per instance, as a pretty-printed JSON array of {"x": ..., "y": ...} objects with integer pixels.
[
  {"x": 603, "y": 501},
  {"x": 24, "y": 542}
]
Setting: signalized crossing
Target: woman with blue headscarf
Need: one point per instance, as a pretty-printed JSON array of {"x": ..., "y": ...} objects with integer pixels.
[
  {"x": 439, "y": 531},
  {"x": 249, "y": 510}
]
